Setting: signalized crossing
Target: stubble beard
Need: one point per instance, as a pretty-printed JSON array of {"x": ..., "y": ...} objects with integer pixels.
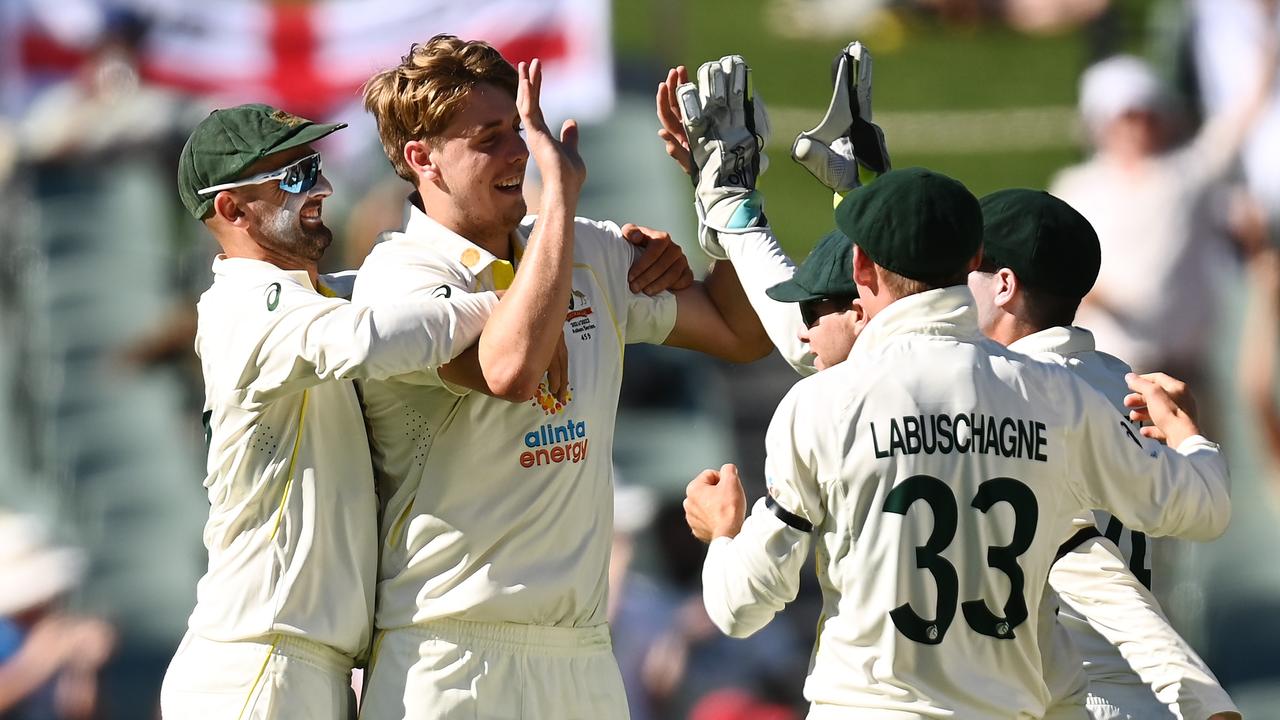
[{"x": 284, "y": 232}]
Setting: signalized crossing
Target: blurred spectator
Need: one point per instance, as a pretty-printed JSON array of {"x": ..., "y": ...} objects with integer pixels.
[
  {"x": 1226, "y": 33},
  {"x": 672, "y": 658},
  {"x": 105, "y": 108},
  {"x": 1163, "y": 259},
  {"x": 49, "y": 660},
  {"x": 640, "y": 607}
]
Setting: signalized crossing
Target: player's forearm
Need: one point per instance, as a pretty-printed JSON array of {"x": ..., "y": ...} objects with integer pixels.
[
  {"x": 1190, "y": 498},
  {"x": 760, "y": 264},
  {"x": 1096, "y": 583},
  {"x": 746, "y": 580},
  {"x": 1181, "y": 492},
  {"x": 1206, "y": 498},
  {"x": 748, "y": 339},
  {"x": 521, "y": 335},
  {"x": 344, "y": 341}
]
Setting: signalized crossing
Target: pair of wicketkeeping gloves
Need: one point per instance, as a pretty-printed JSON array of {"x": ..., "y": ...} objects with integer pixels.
[{"x": 727, "y": 128}]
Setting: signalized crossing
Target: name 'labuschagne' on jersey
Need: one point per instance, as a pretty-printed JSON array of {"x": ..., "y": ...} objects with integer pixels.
[{"x": 961, "y": 433}]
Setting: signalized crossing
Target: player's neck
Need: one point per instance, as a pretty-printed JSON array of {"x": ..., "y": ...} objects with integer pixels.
[
  {"x": 1009, "y": 328},
  {"x": 494, "y": 238},
  {"x": 238, "y": 248}
]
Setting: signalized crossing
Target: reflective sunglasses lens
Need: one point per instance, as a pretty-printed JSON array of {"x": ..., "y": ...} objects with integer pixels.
[{"x": 302, "y": 175}]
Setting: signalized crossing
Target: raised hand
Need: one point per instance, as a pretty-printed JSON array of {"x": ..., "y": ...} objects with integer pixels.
[
  {"x": 725, "y": 127},
  {"x": 846, "y": 150},
  {"x": 558, "y": 160},
  {"x": 1164, "y": 401},
  {"x": 672, "y": 131}
]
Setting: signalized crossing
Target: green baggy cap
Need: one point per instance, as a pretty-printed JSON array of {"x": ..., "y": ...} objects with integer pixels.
[
  {"x": 826, "y": 273},
  {"x": 915, "y": 222},
  {"x": 227, "y": 142},
  {"x": 1046, "y": 243}
]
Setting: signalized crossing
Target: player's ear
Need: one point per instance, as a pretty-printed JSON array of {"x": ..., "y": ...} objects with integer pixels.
[
  {"x": 1006, "y": 287},
  {"x": 227, "y": 207},
  {"x": 422, "y": 159},
  {"x": 857, "y": 318},
  {"x": 864, "y": 270}
]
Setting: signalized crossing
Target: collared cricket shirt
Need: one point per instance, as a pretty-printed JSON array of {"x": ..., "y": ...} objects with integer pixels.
[
  {"x": 291, "y": 534},
  {"x": 494, "y": 511},
  {"x": 936, "y": 473}
]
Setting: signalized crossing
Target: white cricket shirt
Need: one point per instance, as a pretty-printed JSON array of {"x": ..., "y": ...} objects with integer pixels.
[
  {"x": 495, "y": 511},
  {"x": 1110, "y": 613},
  {"x": 292, "y": 518},
  {"x": 938, "y": 473}
]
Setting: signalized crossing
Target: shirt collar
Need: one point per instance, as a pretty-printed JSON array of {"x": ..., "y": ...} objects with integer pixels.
[
  {"x": 450, "y": 243},
  {"x": 943, "y": 312},
  {"x": 224, "y": 266},
  {"x": 1062, "y": 340}
]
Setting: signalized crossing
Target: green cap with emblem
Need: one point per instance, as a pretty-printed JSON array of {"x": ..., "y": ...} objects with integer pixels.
[
  {"x": 1045, "y": 241},
  {"x": 826, "y": 273},
  {"x": 227, "y": 142},
  {"x": 915, "y": 222}
]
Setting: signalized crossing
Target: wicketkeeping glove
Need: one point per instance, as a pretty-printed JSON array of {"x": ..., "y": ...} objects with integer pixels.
[
  {"x": 727, "y": 128},
  {"x": 846, "y": 150}
]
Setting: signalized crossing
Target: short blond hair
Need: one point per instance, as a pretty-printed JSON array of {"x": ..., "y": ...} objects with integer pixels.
[
  {"x": 417, "y": 99},
  {"x": 900, "y": 286}
]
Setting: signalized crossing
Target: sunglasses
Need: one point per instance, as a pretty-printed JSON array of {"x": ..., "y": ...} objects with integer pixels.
[
  {"x": 813, "y": 310},
  {"x": 296, "y": 177}
]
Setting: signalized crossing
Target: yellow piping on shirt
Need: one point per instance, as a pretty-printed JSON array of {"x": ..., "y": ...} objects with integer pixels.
[
  {"x": 261, "y": 671},
  {"x": 293, "y": 459},
  {"x": 613, "y": 317}
]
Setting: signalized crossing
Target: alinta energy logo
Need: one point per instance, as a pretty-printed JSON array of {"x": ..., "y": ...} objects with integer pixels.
[{"x": 555, "y": 443}]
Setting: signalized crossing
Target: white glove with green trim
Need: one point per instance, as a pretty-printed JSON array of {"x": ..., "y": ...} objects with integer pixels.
[
  {"x": 727, "y": 128},
  {"x": 846, "y": 150}
]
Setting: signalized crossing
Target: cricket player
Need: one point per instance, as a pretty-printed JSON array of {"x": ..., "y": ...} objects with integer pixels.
[
  {"x": 284, "y": 610},
  {"x": 1040, "y": 258},
  {"x": 496, "y": 495},
  {"x": 937, "y": 473}
]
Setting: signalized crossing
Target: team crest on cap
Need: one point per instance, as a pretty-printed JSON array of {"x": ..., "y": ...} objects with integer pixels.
[{"x": 287, "y": 118}]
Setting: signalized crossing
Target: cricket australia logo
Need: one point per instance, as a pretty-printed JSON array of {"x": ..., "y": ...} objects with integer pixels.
[{"x": 579, "y": 317}]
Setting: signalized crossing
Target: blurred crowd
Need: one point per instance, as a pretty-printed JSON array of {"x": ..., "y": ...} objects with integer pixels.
[{"x": 100, "y": 441}]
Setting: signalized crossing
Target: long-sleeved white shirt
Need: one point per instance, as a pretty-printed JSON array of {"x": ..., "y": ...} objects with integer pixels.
[
  {"x": 1109, "y": 612},
  {"x": 937, "y": 473},
  {"x": 292, "y": 532}
]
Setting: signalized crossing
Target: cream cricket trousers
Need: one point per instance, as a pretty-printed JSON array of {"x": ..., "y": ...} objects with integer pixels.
[
  {"x": 282, "y": 678},
  {"x": 458, "y": 670}
]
